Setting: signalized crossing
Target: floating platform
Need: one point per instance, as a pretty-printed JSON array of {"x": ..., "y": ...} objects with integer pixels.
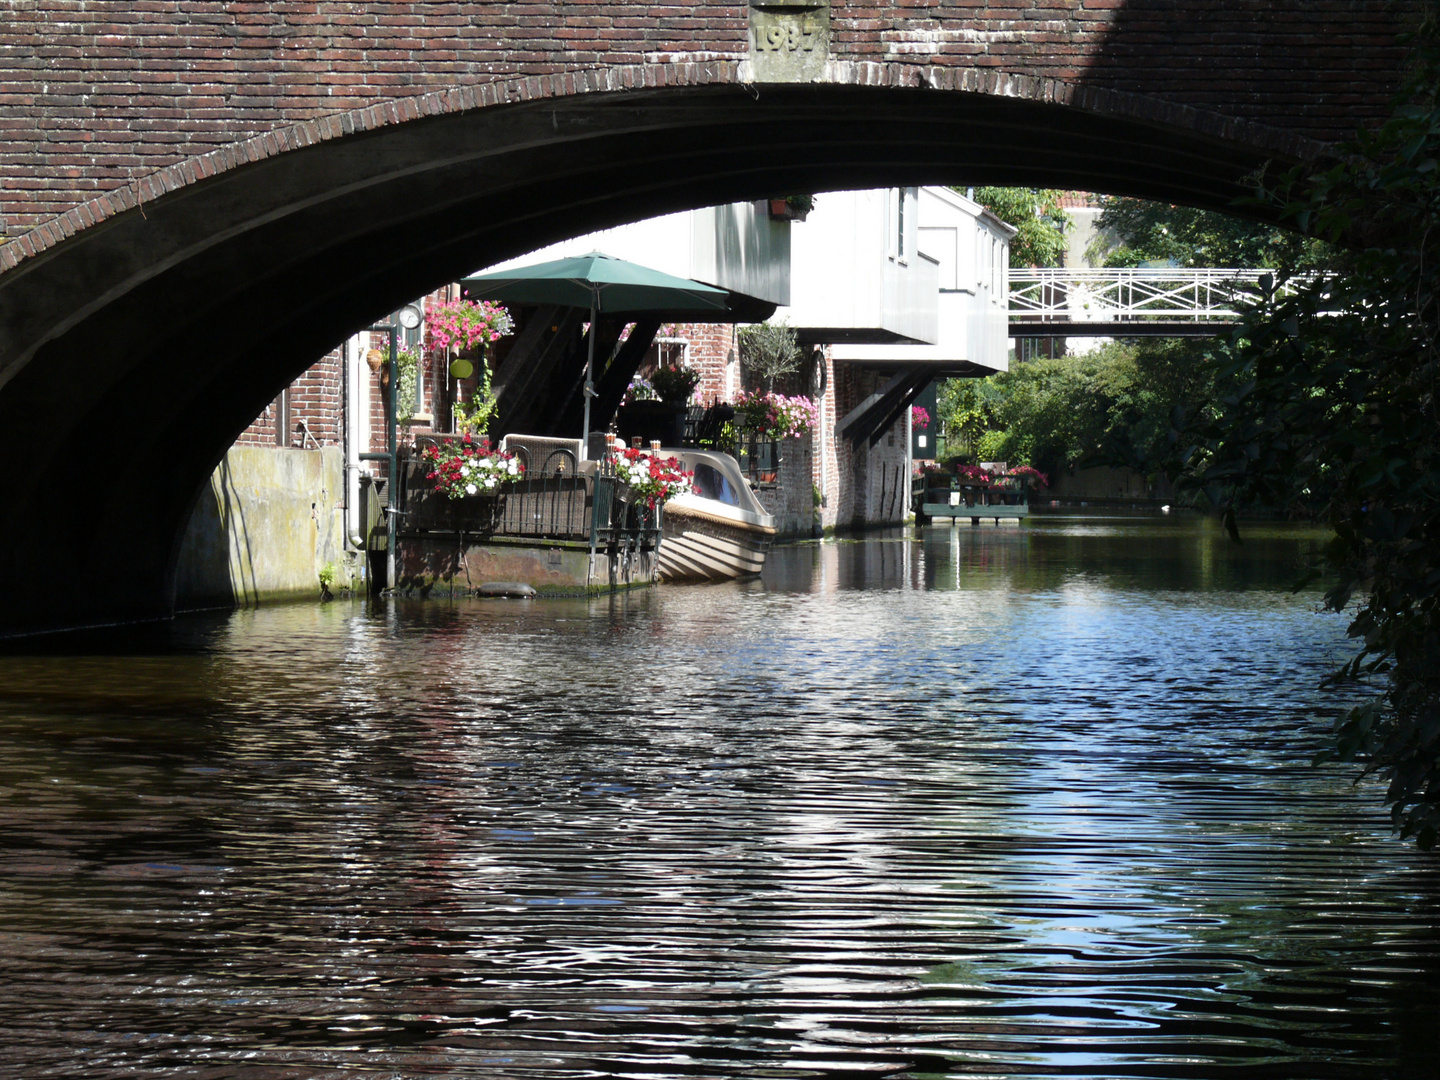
[{"x": 998, "y": 511}]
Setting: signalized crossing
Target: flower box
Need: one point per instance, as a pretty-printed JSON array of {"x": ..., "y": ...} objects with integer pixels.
[{"x": 785, "y": 210}]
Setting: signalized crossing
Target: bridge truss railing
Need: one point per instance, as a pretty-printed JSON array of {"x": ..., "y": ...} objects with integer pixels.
[{"x": 1122, "y": 294}]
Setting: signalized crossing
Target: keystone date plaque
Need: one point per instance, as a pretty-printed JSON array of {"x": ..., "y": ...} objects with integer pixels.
[{"x": 789, "y": 40}]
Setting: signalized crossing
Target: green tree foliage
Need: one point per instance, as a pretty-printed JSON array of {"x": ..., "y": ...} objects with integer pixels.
[
  {"x": 1336, "y": 406},
  {"x": 407, "y": 390},
  {"x": 1113, "y": 406},
  {"x": 963, "y": 412},
  {"x": 1042, "y": 222},
  {"x": 1163, "y": 381},
  {"x": 1118, "y": 405},
  {"x": 1135, "y": 231},
  {"x": 1051, "y": 413}
]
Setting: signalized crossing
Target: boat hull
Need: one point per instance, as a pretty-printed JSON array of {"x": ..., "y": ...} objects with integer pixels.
[{"x": 701, "y": 544}]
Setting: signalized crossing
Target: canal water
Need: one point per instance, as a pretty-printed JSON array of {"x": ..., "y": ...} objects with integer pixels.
[{"x": 984, "y": 802}]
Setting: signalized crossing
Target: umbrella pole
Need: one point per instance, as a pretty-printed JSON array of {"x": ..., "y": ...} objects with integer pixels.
[{"x": 589, "y": 389}]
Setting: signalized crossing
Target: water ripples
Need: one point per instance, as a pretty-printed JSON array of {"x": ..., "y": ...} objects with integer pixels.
[{"x": 1006, "y": 803}]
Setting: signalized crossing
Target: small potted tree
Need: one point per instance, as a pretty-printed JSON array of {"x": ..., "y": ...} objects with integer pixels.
[{"x": 762, "y": 417}]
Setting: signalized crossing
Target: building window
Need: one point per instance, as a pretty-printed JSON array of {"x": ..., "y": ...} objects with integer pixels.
[
  {"x": 903, "y": 215},
  {"x": 900, "y": 224},
  {"x": 411, "y": 341}
]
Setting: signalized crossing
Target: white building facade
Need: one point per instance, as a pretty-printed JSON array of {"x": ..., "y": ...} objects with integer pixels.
[{"x": 900, "y": 287}]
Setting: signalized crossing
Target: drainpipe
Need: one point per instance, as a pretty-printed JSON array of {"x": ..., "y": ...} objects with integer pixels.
[
  {"x": 392, "y": 483},
  {"x": 353, "y": 414},
  {"x": 390, "y": 454},
  {"x": 822, "y": 442}
]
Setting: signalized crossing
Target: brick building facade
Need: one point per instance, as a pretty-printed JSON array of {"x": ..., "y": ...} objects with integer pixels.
[{"x": 308, "y": 414}]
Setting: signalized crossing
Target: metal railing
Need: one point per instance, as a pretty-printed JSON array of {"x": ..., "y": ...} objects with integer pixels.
[
  {"x": 1163, "y": 294},
  {"x": 759, "y": 458},
  {"x": 559, "y": 504},
  {"x": 705, "y": 425},
  {"x": 706, "y": 429}
]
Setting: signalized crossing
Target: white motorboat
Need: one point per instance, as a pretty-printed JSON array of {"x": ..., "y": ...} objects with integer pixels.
[{"x": 720, "y": 530}]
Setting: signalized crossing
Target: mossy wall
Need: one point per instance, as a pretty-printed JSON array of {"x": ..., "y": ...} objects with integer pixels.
[{"x": 269, "y": 520}]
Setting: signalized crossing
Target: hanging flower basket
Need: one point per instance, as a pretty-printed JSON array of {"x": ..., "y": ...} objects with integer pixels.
[
  {"x": 461, "y": 325},
  {"x": 675, "y": 383}
]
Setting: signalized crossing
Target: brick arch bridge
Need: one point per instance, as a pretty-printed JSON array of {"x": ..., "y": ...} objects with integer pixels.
[{"x": 201, "y": 197}]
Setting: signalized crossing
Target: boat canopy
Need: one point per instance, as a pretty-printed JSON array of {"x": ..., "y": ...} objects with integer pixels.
[{"x": 718, "y": 479}]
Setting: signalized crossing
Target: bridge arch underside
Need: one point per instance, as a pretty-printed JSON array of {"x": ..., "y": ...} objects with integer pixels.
[{"x": 134, "y": 351}]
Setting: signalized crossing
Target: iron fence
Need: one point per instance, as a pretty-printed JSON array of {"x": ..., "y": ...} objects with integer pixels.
[{"x": 593, "y": 505}]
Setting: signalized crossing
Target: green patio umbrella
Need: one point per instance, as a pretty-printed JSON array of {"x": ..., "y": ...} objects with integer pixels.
[{"x": 604, "y": 284}]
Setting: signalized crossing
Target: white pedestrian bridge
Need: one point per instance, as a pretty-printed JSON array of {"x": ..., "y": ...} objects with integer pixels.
[{"x": 1131, "y": 302}]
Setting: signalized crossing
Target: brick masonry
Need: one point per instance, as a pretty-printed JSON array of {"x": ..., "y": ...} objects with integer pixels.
[
  {"x": 212, "y": 279},
  {"x": 316, "y": 410},
  {"x": 97, "y": 96},
  {"x": 872, "y": 483}
]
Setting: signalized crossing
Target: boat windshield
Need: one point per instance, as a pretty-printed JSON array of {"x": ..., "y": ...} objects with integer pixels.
[{"x": 710, "y": 483}]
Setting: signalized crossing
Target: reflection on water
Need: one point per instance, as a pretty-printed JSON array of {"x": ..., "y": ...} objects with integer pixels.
[{"x": 986, "y": 802}]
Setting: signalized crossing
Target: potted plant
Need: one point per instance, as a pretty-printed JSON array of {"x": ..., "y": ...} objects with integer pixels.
[
  {"x": 1027, "y": 478},
  {"x": 768, "y": 350},
  {"x": 655, "y": 408},
  {"x": 407, "y": 365},
  {"x": 775, "y": 416},
  {"x": 463, "y": 325},
  {"x": 674, "y": 383},
  {"x": 466, "y": 329},
  {"x": 761, "y": 421},
  {"x": 792, "y": 207}
]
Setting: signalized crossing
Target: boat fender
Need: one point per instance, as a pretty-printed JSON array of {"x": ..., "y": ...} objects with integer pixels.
[{"x": 513, "y": 589}]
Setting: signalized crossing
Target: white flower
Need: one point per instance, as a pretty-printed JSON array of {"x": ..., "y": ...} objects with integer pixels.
[
  {"x": 513, "y": 466},
  {"x": 490, "y": 481},
  {"x": 470, "y": 489},
  {"x": 464, "y": 470}
]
